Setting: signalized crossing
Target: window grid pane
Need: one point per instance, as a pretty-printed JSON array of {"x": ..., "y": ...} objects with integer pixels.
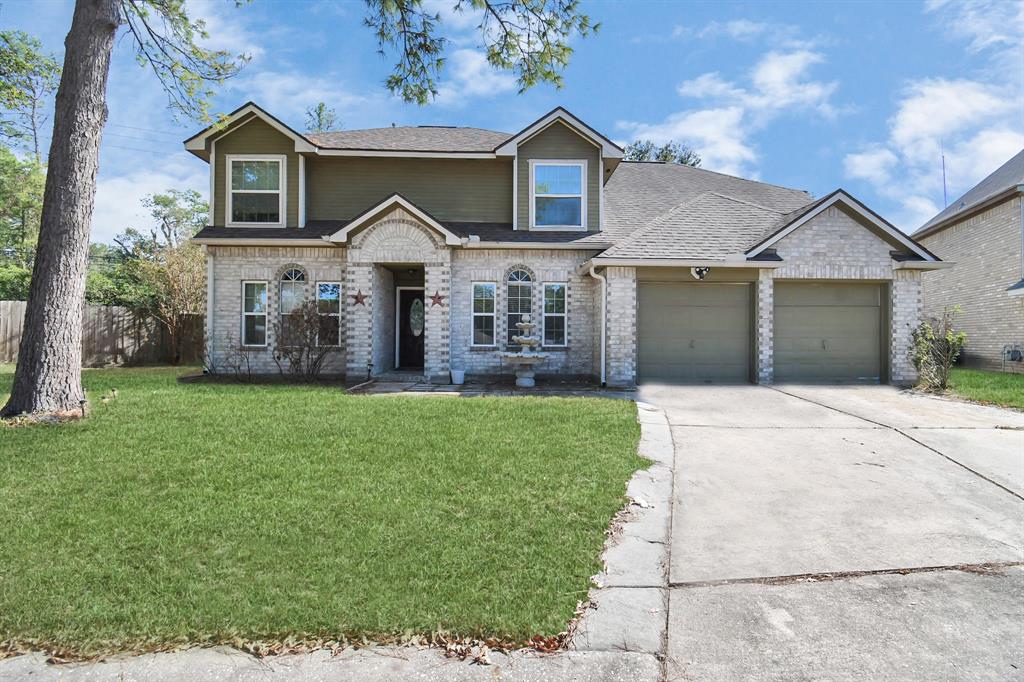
[
  {"x": 255, "y": 297},
  {"x": 483, "y": 313},
  {"x": 558, "y": 179},
  {"x": 559, "y": 211},
  {"x": 256, "y": 175},
  {"x": 255, "y": 208},
  {"x": 518, "y": 302}
]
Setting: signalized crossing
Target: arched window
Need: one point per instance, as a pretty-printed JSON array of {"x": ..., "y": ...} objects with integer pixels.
[
  {"x": 293, "y": 287},
  {"x": 518, "y": 300}
]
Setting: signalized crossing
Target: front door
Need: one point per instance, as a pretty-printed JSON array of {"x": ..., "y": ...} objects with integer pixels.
[{"x": 410, "y": 328}]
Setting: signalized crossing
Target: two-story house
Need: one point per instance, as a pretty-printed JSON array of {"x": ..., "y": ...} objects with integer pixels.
[
  {"x": 983, "y": 231},
  {"x": 424, "y": 246}
]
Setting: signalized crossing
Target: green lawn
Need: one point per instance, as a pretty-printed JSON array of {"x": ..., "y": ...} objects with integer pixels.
[
  {"x": 208, "y": 511},
  {"x": 998, "y": 388}
]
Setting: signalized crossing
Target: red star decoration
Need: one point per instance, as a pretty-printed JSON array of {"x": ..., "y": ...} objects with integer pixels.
[
  {"x": 358, "y": 298},
  {"x": 437, "y": 299}
]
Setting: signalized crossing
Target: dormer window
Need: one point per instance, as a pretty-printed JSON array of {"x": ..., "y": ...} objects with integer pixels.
[
  {"x": 256, "y": 191},
  {"x": 558, "y": 195}
]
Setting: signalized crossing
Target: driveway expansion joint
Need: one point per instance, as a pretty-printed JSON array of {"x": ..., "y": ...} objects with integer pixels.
[
  {"x": 988, "y": 568},
  {"x": 901, "y": 431}
]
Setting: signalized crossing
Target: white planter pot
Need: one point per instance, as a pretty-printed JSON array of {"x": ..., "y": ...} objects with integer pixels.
[{"x": 458, "y": 376}]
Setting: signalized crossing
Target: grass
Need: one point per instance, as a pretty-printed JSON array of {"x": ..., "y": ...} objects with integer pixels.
[
  {"x": 204, "y": 512},
  {"x": 997, "y": 388}
]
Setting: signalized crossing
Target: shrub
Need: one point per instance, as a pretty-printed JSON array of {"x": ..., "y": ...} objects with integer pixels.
[
  {"x": 298, "y": 352},
  {"x": 937, "y": 345},
  {"x": 14, "y": 281}
]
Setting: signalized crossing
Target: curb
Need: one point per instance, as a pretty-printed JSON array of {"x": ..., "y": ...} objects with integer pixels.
[{"x": 629, "y": 603}]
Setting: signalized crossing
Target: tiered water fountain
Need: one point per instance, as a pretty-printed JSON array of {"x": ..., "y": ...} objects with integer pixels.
[{"x": 527, "y": 357}]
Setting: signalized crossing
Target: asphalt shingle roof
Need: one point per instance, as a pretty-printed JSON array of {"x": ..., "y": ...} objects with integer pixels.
[
  {"x": 710, "y": 226},
  {"x": 666, "y": 210},
  {"x": 1010, "y": 174},
  {"x": 412, "y": 139}
]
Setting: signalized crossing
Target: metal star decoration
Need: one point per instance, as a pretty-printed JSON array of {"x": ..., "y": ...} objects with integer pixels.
[
  {"x": 437, "y": 299},
  {"x": 358, "y": 298}
]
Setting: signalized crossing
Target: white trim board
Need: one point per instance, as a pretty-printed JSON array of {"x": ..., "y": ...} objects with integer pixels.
[
  {"x": 510, "y": 146},
  {"x": 584, "y": 181},
  {"x": 851, "y": 203},
  {"x": 341, "y": 236},
  {"x": 282, "y": 191}
]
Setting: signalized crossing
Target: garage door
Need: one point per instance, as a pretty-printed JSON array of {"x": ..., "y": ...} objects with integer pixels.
[
  {"x": 828, "y": 332},
  {"x": 693, "y": 332}
]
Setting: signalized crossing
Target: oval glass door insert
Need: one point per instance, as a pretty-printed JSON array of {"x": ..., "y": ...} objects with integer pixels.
[{"x": 416, "y": 317}]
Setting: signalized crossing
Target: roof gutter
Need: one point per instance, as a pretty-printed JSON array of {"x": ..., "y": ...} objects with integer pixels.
[
  {"x": 474, "y": 242},
  {"x": 224, "y": 241},
  {"x": 923, "y": 265},
  {"x": 967, "y": 212},
  {"x": 687, "y": 263}
]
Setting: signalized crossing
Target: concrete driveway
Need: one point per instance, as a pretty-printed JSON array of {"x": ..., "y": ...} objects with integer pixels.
[{"x": 843, "y": 532}]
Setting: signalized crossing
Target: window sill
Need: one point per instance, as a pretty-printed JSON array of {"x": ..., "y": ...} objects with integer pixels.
[{"x": 557, "y": 228}]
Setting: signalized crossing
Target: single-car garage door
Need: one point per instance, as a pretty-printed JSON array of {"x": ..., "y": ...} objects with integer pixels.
[
  {"x": 828, "y": 332},
  {"x": 693, "y": 332}
]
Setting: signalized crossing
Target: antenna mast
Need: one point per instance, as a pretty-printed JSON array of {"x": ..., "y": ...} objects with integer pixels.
[{"x": 942, "y": 154}]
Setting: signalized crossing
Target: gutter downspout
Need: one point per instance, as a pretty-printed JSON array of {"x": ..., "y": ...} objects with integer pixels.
[
  {"x": 209, "y": 308},
  {"x": 604, "y": 316},
  {"x": 1020, "y": 199}
]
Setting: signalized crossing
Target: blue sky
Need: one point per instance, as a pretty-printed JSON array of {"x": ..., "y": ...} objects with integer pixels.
[{"x": 862, "y": 95}]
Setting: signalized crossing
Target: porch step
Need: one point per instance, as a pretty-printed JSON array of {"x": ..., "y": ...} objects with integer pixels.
[{"x": 400, "y": 377}]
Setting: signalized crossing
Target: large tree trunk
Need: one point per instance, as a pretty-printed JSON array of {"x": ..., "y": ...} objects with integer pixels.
[{"x": 48, "y": 377}]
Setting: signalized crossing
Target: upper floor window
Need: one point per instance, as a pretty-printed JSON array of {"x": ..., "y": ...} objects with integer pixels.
[
  {"x": 558, "y": 194},
  {"x": 256, "y": 190}
]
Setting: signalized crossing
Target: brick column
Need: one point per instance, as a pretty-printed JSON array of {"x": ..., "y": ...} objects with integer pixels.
[
  {"x": 358, "y": 320},
  {"x": 765, "y": 321},
  {"x": 621, "y": 349},
  {"x": 904, "y": 316},
  {"x": 437, "y": 279}
]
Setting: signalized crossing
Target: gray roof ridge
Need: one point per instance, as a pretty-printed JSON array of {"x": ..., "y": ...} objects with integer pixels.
[
  {"x": 724, "y": 175},
  {"x": 637, "y": 234},
  {"x": 939, "y": 218},
  {"x": 748, "y": 203}
]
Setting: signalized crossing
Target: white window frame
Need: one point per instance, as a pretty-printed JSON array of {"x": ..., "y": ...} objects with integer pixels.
[
  {"x": 336, "y": 315},
  {"x": 532, "y": 299},
  {"x": 582, "y": 165},
  {"x": 545, "y": 315},
  {"x": 265, "y": 314},
  {"x": 473, "y": 315},
  {"x": 282, "y": 190}
]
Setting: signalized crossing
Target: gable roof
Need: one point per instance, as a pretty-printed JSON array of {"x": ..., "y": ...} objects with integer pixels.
[
  {"x": 560, "y": 114},
  {"x": 1007, "y": 179},
  {"x": 341, "y": 235},
  {"x": 412, "y": 138},
  {"x": 794, "y": 220},
  {"x": 197, "y": 143}
]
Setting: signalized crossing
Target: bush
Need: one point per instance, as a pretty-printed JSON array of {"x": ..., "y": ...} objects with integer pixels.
[
  {"x": 937, "y": 345},
  {"x": 298, "y": 352},
  {"x": 14, "y": 281}
]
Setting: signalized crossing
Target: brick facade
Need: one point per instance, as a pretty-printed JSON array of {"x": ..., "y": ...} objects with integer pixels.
[
  {"x": 833, "y": 245},
  {"x": 986, "y": 248}
]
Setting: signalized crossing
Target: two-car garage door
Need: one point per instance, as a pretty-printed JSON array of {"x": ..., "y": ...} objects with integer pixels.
[{"x": 695, "y": 332}]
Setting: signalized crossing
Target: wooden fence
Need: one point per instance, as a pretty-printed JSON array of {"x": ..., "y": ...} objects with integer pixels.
[{"x": 111, "y": 335}]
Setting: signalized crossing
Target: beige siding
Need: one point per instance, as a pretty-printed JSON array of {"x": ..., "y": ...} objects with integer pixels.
[
  {"x": 558, "y": 141},
  {"x": 471, "y": 190},
  {"x": 987, "y": 251},
  {"x": 256, "y": 137}
]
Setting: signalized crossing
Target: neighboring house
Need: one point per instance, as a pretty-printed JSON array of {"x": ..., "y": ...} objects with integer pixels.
[
  {"x": 983, "y": 232},
  {"x": 425, "y": 245}
]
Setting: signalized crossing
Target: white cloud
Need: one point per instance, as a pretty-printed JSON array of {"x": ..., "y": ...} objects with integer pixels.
[
  {"x": 288, "y": 94},
  {"x": 873, "y": 165},
  {"x": 779, "y": 84},
  {"x": 974, "y": 124},
  {"x": 119, "y": 199},
  {"x": 718, "y": 135},
  {"x": 469, "y": 75}
]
